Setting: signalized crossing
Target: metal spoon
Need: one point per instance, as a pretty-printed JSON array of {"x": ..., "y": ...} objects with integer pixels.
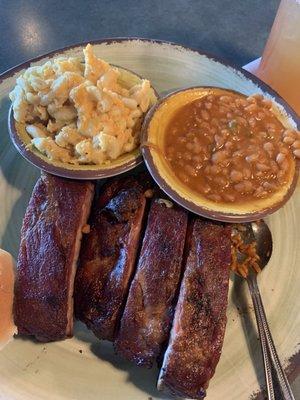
[{"x": 259, "y": 232}]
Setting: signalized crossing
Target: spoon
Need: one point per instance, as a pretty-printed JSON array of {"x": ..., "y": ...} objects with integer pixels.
[{"x": 259, "y": 233}]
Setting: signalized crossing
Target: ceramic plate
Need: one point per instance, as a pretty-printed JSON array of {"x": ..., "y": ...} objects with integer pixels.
[{"x": 85, "y": 368}]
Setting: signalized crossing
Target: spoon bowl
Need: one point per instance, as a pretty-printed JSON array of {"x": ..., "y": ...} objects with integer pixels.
[{"x": 259, "y": 233}]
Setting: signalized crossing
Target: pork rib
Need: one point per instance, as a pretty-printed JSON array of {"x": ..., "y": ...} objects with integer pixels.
[
  {"x": 49, "y": 248},
  {"x": 149, "y": 309},
  {"x": 200, "y": 317},
  {"x": 108, "y": 254}
]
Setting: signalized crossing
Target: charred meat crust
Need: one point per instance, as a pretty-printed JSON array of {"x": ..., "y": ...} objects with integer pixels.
[
  {"x": 108, "y": 256},
  {"x": 200, "y": 317},
  {"x": 149, "y": 309},
  {"x": 50, "y": 233}
]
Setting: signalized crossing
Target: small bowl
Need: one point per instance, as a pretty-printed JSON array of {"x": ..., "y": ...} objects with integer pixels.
[
  {"x": 125, "y": 162},
  {"x": 153, "y": 133}
]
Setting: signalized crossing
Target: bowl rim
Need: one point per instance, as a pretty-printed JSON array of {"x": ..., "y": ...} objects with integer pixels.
[
  {"x": 111, "y": 40},
  {"x": 81, "y": 174},
  {"x": 176, "y": 196}
]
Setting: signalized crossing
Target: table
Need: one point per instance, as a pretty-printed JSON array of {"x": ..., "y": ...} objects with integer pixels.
[{"x": 233, "y": 29}]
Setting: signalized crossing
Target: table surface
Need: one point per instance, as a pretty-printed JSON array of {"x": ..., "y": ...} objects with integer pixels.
[{"x": 233, "y": 29}]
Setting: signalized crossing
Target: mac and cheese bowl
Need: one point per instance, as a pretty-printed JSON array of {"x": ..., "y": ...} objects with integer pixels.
[{"x": 79, "y": 119}]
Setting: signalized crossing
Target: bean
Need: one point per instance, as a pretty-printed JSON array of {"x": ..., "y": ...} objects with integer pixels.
[
  {"x": 187, "y": 156},
  {"x": 190, "y": 170},
  {"x": 229, "y": 115},
  {"x": 197, "y": 158},
  {"x": 247, "y": 173},
  {"x": 260, "y": 115},
  {"x": 205, "y": 125},
  {"x": 214, "y": 197},
  {"x": 207, "y": 169},
  {"x": 297, "y": 153},
  {"x": 228, "y": 197},
  {"x": 260, "y": 192},
  {"x": 280, "y": 158},
  {"x": 215, "y": 122},
  {"x": 205, "y": 188},
  {"x": 238, "y": 153},
  {"x": 284, "y": 150},
  {"x": 208, "y": 106},
  {"x": 251, "y": 108},
  {"x": 251, "y": 158},
  {"x": 236, "y": 176},
  {"x": 288, "y": 140},
  {"x": 296, "y": 144},
  {"x": 197, "y": 148},
  {"x": 221, "y": 181},
  {"x": 205, "y": 115},
  {"x": 214, "y": 170},
  {"x": 239, "y": 187},
  {"x": 262, "y": 135},
  {"x": 252, "y": 122},
  {"x": 189, "y": 146},
  {"x": 244, "y": 187},
  {"x": 219, "y": 156},
  {"x": 270, "y": 127},
  {"x": 223, "y": 110},
  {"x": 242, "y": 121},
  {"x": 269, "y": 186},
  {"x": 284, "y": 166},
  {"x": 225, "y": 132},
  {"x": 281, "y": 177},
  {"x": 225, "y": 99},
  {"x": 228, "y": 145},
  {"x": 242, "y": 102},
  {"x": 251, "y": 100},
  {"x": 183, "y": 177},
  {"x": 210, "y": 97},
  {"x": 274, "y": 167},
  {"x": 220, "y": 140},
  {"x": 289, "y": 133},
  {"x": 268, "y": 146},
  {"x": 262, "y": 167}
]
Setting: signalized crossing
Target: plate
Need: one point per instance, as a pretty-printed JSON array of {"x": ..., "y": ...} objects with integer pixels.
[{"x": 85, "y": 368}]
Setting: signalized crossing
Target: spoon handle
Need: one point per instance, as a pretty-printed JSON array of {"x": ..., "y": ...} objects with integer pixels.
[
  {"x": 252, "y": 283},
  {"x": 270, "y": 355}
]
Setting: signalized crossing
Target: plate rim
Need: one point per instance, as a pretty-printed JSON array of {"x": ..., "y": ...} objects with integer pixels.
[{"x": 119, "y": 39}]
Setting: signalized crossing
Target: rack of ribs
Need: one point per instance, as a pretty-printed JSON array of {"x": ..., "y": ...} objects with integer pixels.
[
  {"x": 150, "y": 305},
  {"x": 49, "y": 249},
  {"x": 108, "y": 254},
  {"x": 199, "y": 322}
]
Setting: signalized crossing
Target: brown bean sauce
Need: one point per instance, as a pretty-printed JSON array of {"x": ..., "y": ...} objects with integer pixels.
[{"x": 229, "y": 148}]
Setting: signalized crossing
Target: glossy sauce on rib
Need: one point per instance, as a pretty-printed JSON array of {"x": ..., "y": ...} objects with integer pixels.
[
  {"x": 149, "y": 308},
  {"x": 107, "y": 256},
  {"x": 199, "y": 323},
  {"x": 229, "y": 148}
]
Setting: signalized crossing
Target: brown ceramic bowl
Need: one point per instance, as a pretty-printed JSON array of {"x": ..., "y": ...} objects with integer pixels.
[
  {"x": 153, "y": 132},
  {"x": 125, "y": 162}
]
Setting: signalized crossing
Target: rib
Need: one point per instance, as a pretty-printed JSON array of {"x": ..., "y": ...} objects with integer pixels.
[
  {"x": 108, "y": 256},
  {"x": 49, "y": 248},
  {"x": 199, "y": 323},
  {"x": 149, "y": 309}
]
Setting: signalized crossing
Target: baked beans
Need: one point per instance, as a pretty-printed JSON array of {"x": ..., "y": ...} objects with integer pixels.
[{"x": 230, "y": 148}]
